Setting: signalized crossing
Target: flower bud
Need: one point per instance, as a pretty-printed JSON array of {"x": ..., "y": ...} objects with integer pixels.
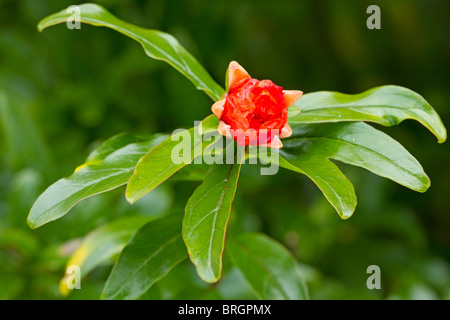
[{"x": 254, "y": 111}]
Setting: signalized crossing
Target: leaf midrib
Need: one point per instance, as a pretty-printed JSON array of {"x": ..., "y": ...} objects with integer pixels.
[
  {"x": 184, "y": 68},
  {"x": 250, "y": 253},
  {"x": 146, "y": 261},
  {"x": 217, "y": 214}
]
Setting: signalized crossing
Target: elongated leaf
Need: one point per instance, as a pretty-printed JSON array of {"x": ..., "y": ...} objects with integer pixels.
[
  {"x": 157, "y": 44},
  {"x": 192, "y": 172},
  {"x": 309, "y": 148},
  {"x": 206, "y": 218},
  {"x": 102, "y": 245},
  {"x": 107, "y": 168},
  {"x": 334, "y": 185},
  {"x": 386, "y": 105},
  {"x": 293, "y": 111},
  {"x": 154, "y": 250},
  {"x": 269, "y": 268},
  {"x": 158, "y": 164}
]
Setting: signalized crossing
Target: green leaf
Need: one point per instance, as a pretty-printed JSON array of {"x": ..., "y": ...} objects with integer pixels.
[
  {"x": 334, "y": 185},
  {"x": 153, "y": 251},
  {"x": 206, "y": 218},
  {"x": 157, "y": 44},
  {"x": 102, "y": 245},
  {"x": 310, "y": 147},
  {"x": 386, "y": 105},
  {"x": 192, "y": 172},
  {"x": 107, "y": 168},
  {"x": 293, "y": 111},
  {"x": 158, "y": 164},
  {"x": 269, "y": 268}
]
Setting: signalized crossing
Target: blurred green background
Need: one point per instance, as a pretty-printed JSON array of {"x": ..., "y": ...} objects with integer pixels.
[{"x": 62, "y": 92}]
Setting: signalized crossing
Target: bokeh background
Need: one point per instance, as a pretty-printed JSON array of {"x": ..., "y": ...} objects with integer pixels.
[{"x": 62, "y": 92}]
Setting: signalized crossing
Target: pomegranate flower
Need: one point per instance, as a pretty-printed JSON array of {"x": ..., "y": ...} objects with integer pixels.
[{"x": 254, "y": 112}]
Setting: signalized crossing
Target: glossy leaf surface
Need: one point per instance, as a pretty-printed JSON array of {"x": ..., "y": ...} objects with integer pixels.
[
  {"x": 157, "y": 44},
  {"x": 159, "y": 164},
  {"x": 153, "y": 251},
  {"x": 268, "y": 267},
  {"x": 106, "y": 168},
  {"x": 310, "y": 147},
  {"x": 387, "y": 105},
  {"x": 206, "y": 218}
]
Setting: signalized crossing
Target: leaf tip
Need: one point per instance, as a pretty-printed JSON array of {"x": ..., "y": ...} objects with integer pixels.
[
  {"x": 209, "y": 278},
  {"x": 443, "y": 137},
  {"x": 426, "y": 185},
  {"x": 132, "y": 196},
  {"x": 31, "y": 224},
  {"x": 346, "y": 214}
]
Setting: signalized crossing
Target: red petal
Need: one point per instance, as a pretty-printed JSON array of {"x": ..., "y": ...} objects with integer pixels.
[
  {"x": 217, "y": 108},
  {"x": 235, "y": 74},
  {"x": 291, "y": 96},
  {"x": 286, "y": 131}
]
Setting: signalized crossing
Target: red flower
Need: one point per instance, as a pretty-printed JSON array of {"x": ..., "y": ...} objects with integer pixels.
[{"x": 254, "y": 112}]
